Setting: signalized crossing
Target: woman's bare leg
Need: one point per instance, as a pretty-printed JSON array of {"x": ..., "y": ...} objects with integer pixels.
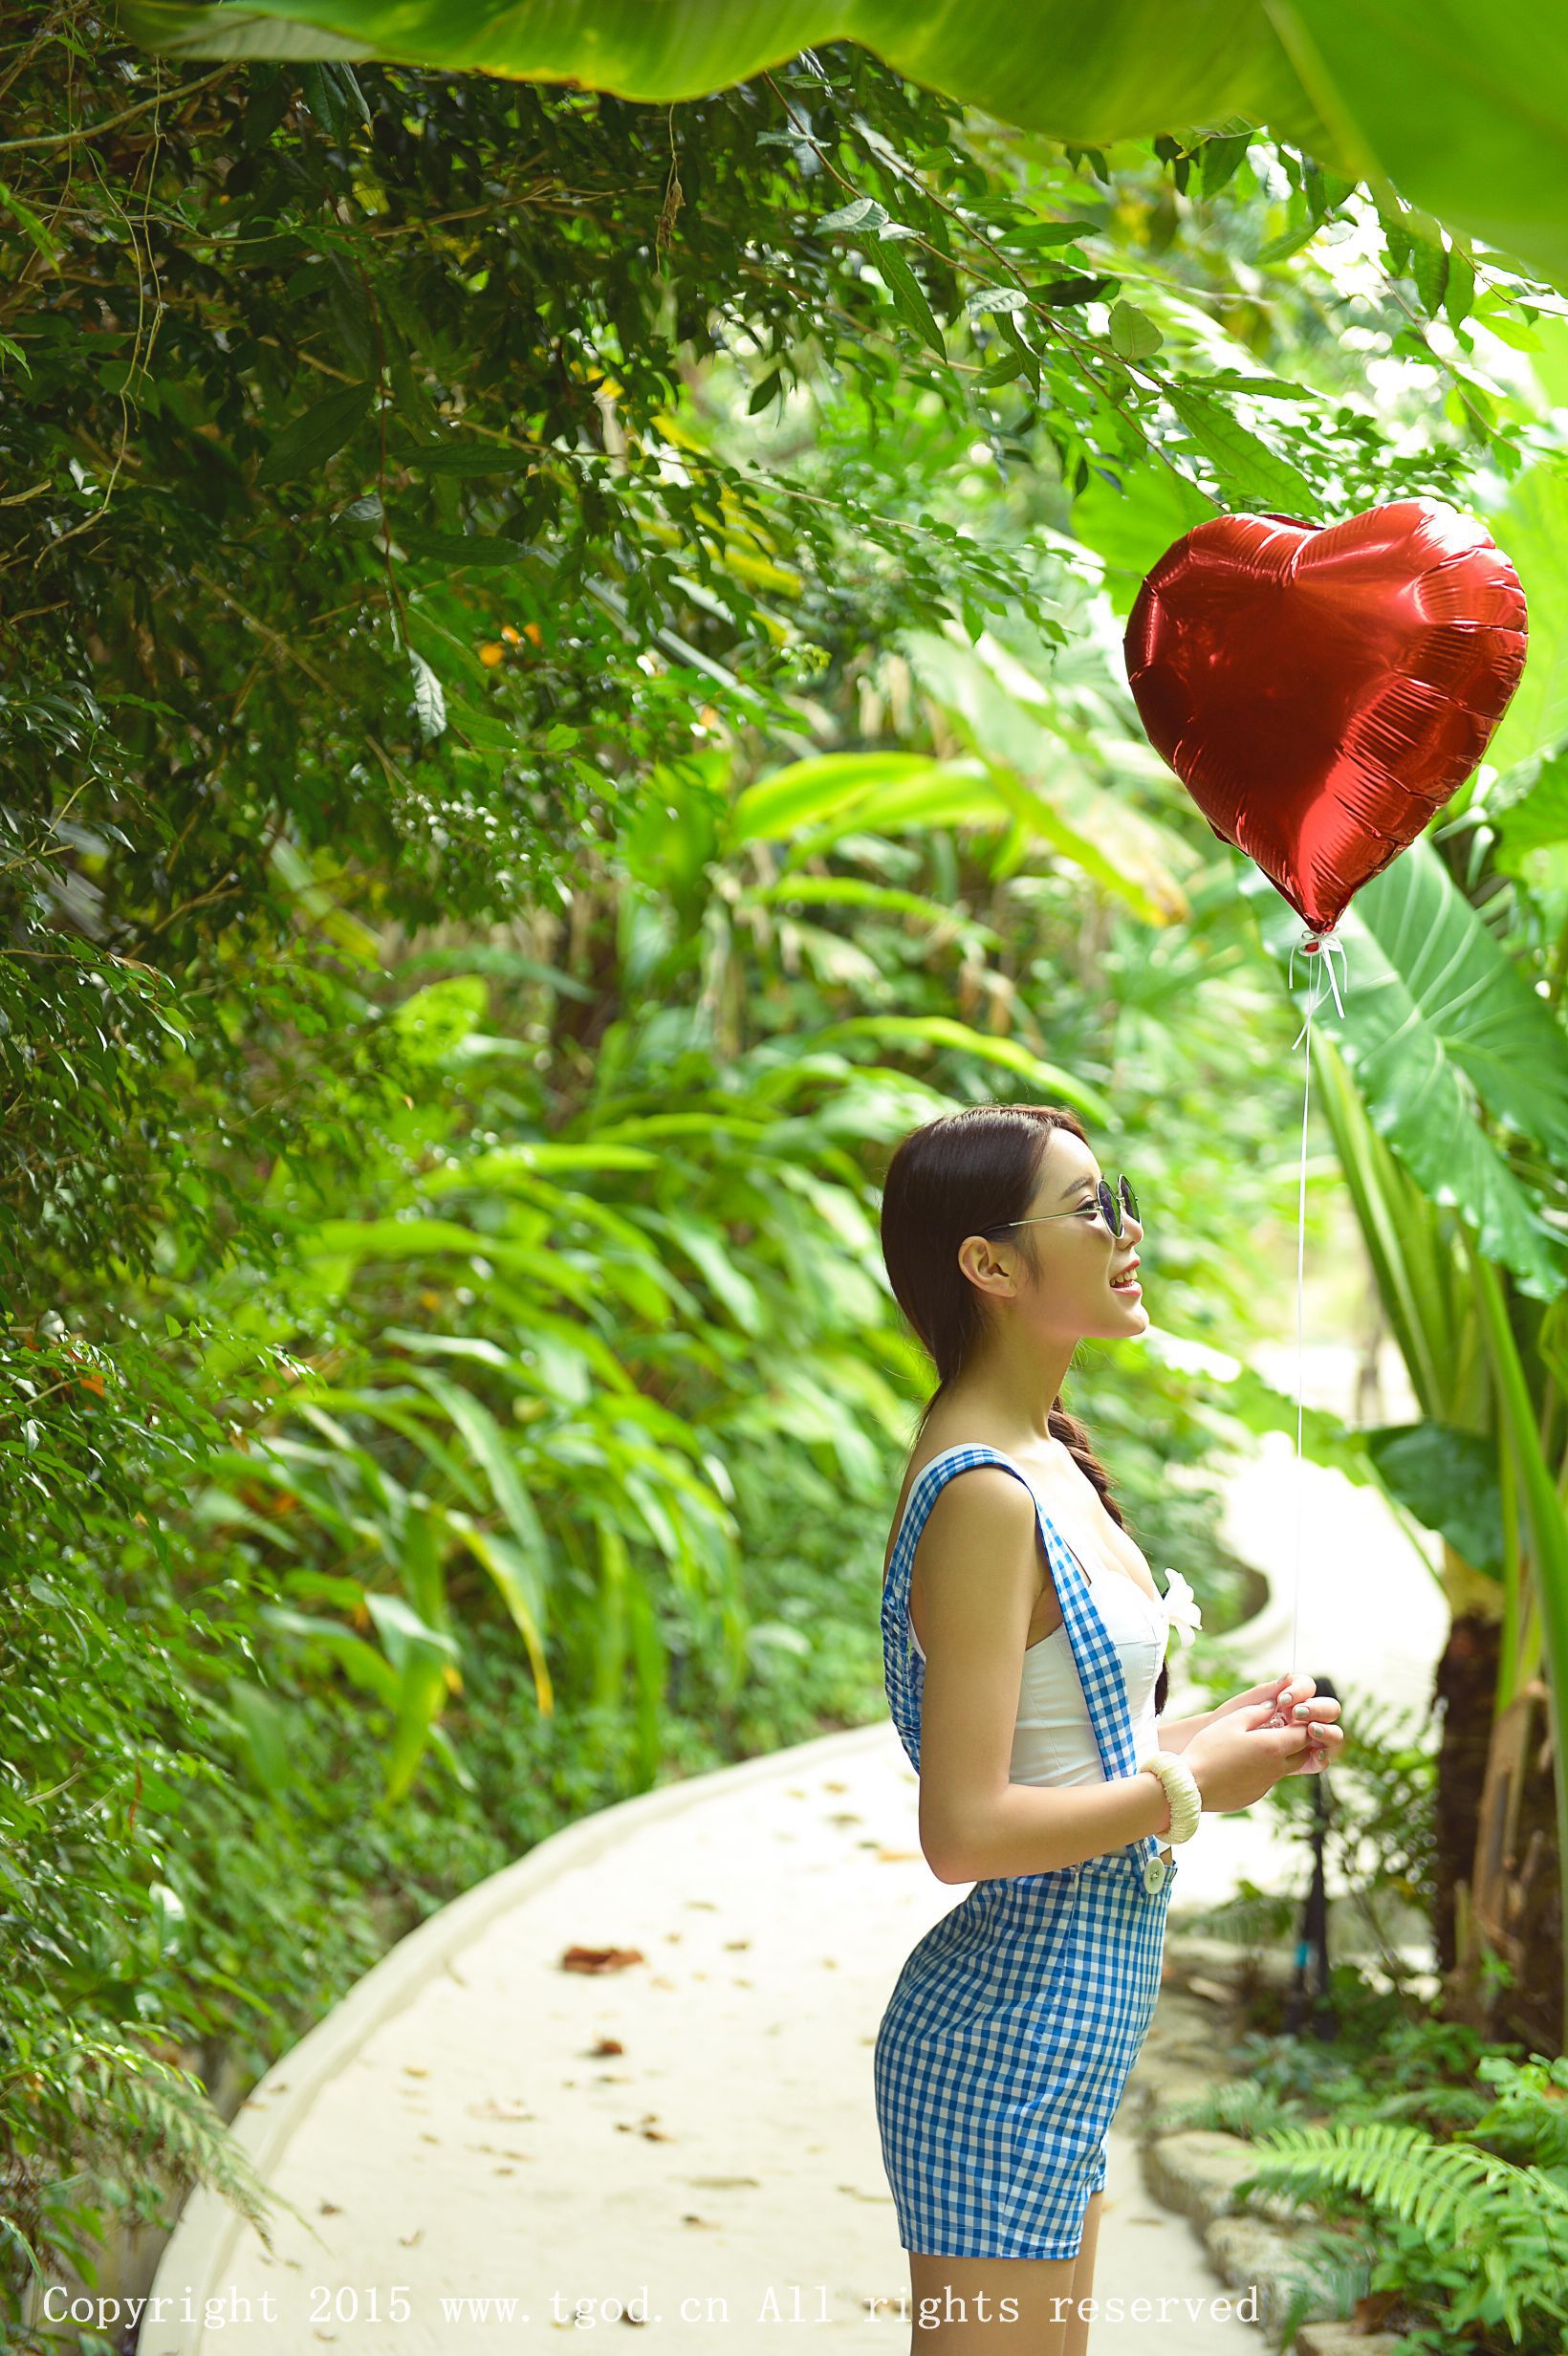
[
  {"x": 1003, "y": 2306},
  {"x": 1077, "y": 2341}
]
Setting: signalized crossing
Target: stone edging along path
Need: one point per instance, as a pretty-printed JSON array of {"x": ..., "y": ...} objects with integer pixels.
[{"x": 1194, "y": 2170}]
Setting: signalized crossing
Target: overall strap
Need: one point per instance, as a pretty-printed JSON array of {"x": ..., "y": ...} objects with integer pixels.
[{"x": 1095, "y": 1656}]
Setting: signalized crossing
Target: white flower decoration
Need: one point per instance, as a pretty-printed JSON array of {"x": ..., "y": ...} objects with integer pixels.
[{"x": 1182, "y": 1607}]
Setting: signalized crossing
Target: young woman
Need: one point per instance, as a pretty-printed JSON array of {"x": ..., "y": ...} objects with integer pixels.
[{"x": 1024, "y": 1642}]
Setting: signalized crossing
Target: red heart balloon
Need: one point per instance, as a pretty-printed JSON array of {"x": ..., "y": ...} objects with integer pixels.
[{"x": 1321, "y": 693}]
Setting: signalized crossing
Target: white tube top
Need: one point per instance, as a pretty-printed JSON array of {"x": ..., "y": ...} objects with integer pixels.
[{"x": 1054, "y": 1739}]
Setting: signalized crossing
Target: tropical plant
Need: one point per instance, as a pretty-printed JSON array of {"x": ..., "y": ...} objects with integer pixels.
[
  {"x": 1472, "y": 2238},
  {"x": 1447, "y": 1091}
]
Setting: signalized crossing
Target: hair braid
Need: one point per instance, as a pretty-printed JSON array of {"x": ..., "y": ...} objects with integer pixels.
[{"x": 1075, "y": 1438}]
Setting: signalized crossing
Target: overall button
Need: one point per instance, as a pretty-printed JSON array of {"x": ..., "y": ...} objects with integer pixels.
[{"x": 1154, "y": 1873}]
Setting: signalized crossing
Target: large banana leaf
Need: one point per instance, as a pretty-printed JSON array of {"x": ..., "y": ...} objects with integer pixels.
[
  {"x": 1461, "y": 106},
  {"x": 1460, "y": 102},
  {"x": 1533, "y": 526},
  {"x": 1440, "y": 1029},
  {"x": 1129, "y": 67}
]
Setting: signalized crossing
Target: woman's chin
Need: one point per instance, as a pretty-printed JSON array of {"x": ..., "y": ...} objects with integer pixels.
[{"x": 1131, "y": 1315}]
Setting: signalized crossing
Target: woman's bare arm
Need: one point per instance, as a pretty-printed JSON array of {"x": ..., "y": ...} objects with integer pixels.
[
  {"x": 979, "y": 1575},
  {"x": 1175, "y": 1733}
]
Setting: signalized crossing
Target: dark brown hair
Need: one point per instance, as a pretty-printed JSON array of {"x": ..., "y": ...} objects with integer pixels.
[{"x": 966, "y": 1174}]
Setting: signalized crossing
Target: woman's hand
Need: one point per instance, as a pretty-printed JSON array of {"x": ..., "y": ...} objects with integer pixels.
[
  {"x": 1295, "y": 1701},
  {"x": 1241, "y": 1755}
]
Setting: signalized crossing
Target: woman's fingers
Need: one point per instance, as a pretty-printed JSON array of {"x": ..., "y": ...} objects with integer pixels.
[
  {"x": 1317, "y": 1712},
  {"x": 1326, "y": 1743},
  {"x": 1289, "y": 1693}
]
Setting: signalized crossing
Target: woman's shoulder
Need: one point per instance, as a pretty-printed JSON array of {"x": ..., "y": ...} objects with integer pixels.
[
  {"x": 990, "y": 1498},
  {"x": 1035, "y": 1468}
]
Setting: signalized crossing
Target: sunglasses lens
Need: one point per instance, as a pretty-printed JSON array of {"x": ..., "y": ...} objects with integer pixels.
[
  {"x": 1112, "y": 1208},
  {"x": 1129, "y": 1200}
]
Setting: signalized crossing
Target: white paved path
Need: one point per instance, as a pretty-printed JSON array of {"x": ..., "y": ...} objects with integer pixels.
[{"x": 457, "y": 2131}]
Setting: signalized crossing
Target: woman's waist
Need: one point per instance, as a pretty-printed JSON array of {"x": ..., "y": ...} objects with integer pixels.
[{"x": 1129, "y": 1863}]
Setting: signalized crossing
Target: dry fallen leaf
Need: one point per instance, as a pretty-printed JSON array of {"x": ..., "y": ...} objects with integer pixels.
[
  {"x": 600, "y": 1958},
  {"x": 605, "y": 2044}
]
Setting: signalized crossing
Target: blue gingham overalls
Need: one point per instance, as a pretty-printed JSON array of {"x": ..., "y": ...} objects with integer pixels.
[{"x": 1006, "y": 2044}]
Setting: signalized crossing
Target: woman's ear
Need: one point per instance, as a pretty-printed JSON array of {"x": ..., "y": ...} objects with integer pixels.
[{"x": 990, "y": 1267}]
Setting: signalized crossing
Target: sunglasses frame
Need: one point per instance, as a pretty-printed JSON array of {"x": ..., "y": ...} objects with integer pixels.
[{"x": 1111, "y": 1207}]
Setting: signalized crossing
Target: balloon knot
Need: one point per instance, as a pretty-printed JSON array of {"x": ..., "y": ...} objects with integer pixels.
[{"x": 1311, "y": 945}]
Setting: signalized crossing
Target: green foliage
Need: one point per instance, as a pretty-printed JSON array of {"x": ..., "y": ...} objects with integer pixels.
[
  {"x": 1233, "y": 2107},
  {"x": 118, "y": 2108},
  {"x": 1477, "y": 2238},
  {"x": 1432, "y": 2162}
]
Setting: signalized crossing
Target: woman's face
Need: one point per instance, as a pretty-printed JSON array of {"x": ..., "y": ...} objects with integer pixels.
[{"x": 1075, "y": 1253}]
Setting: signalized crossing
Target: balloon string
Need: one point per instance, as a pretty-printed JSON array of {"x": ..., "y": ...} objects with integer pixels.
[{"x": 1325, "y": 947}]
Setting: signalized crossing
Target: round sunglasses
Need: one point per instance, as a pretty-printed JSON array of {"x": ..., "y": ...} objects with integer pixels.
[{"x": 1112, "y": 1206}]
